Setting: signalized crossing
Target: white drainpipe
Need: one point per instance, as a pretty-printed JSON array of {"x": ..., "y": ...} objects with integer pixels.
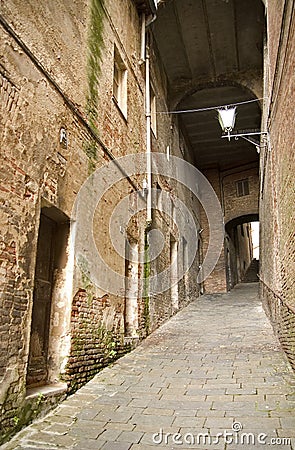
[
  {"x": 148, "y": 138},
  {"x": 143, "y": 31},
  {"x": 145, "y": 56}
]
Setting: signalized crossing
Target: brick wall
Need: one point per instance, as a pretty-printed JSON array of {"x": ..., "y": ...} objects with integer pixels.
[
  {"x": 282, "y": 317},
  {"x": 96, "y": 340},
  {"x": 277, "y": 180}
]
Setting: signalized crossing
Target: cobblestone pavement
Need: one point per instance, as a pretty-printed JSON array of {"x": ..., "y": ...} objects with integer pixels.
[{"x": 213, "y": 367}]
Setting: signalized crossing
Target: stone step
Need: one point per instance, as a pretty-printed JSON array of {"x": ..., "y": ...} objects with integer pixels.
[{"x": 251, "y": 275}]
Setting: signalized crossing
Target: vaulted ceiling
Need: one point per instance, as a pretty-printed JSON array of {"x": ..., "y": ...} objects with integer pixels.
[{"x": 212, "y": 52}]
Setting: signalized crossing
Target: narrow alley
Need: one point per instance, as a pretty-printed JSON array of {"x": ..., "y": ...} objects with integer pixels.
[
  {"x": 147, "y": 162},
  {"x": 212, "y": 377}
]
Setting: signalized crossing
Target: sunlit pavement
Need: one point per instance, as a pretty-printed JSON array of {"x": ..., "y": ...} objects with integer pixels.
[{"x": 213, "y": 377}]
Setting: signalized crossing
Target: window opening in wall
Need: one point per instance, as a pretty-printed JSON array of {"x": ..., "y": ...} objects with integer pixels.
[
  {"x": 173, "y": 212},
  {"x": 182, "y": 145},
  {"x": 159, "y": 197},
  {"x": 120, "y": 83},
  {"x": 185, "y": 264},
  {"x": 242, "y": 187},
  {"x": 174, "y": 273}
]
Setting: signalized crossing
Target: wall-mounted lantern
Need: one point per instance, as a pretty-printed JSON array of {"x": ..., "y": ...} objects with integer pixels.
[{"x": 227, "y": 118}]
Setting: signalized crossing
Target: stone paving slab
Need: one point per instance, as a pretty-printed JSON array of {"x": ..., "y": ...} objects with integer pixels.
[{"x": 212, "y": 377}]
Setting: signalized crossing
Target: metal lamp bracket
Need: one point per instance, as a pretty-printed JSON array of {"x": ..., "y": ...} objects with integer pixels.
[{"x": 248, "y": 137}]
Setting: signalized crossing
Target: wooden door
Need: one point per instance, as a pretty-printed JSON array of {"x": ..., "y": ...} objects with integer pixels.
[{"x": 37, "y": 364}]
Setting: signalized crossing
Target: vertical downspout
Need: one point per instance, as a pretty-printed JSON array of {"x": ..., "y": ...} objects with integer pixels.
[
  {"x": 146, "y": 57},
  {"x": 148, "y": 138},
  {"x": 143, "y": 40}
]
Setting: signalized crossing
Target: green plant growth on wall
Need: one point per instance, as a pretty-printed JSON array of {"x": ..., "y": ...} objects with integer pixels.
[
  {"x": 88, "y": 286},
  {"x": 95, "y": 46},
  {"x": 92, "y": 341},
  {"x": 23, "y": 415},
  {"x": 90, "y": 148}
]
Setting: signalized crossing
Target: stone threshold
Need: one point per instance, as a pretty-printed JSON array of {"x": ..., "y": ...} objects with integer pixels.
[{"x": 46, "y": 390}]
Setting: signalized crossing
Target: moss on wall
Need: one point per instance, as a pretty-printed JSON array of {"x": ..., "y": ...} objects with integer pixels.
[
  {"x": 95, "y": 47},
  {"x": 29, "y": 410}
]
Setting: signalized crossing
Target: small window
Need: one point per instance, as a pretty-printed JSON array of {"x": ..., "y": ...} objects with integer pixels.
[
  {"x": 120, "y": 83},
  {"x": 159, "y": 197},
  {"x": 242, "y": 187},
  {"x": 182, "y": 145},
  {"x": 173, "y": 212},
  {"x": 153, "y": 113}
]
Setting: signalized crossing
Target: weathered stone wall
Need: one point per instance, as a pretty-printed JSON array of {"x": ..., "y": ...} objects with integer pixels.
[
  {"x": 163, "y": 305},
  {"x": 36, "y": 171},
  {"x": 57, "y": 72},
  {"x": 277, "y": 175},
  {"x": 40, "y": 172}
]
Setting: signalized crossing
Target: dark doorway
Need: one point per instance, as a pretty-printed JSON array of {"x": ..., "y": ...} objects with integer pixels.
[
  {"x": 241, "y": 263},
  {"x": 53, "y": 232}
]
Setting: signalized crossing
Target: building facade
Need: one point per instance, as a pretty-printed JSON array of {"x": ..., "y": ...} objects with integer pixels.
[{"x": 74, "y": 90}]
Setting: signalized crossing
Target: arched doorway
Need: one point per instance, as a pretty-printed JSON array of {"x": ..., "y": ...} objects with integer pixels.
[{"x": 242, "y": 264}]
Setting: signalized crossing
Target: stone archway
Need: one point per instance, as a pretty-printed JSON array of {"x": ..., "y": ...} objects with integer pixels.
[
  {"x": 202, "y": 132},
  {"x": 248, "y": 82},
  {"x": 239, "y": 250}
]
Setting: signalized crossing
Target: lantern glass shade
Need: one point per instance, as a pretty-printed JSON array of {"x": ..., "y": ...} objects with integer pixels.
[{"x": 227, "y": 117}]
